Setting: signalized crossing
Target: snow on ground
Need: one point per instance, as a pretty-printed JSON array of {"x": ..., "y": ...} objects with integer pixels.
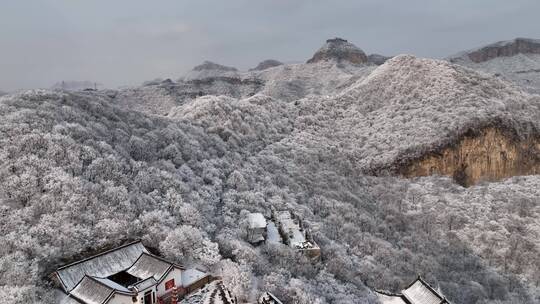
[
  {"x": 213, "y": 293},
  {"x": 272, "y": 234},
  {"x": 192, "y": 275}
]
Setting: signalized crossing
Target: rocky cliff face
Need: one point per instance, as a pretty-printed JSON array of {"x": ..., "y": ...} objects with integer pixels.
[
  {"x": 488, "y": 155},
  {"x": 505, "y": 49},
  {"x": 340, "y": 50}
]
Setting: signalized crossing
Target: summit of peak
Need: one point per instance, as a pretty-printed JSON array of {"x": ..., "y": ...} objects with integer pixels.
[
  {"x": 209, "y": 65},
  {"x": 339, "y": 49}
]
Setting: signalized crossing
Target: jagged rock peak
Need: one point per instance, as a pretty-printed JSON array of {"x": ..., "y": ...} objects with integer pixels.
[
  {"x": 209, "y": 65},
  {"x": 501, "y": 49},
  {"x": 269, "y": 63},
  {"x": 341, "y": 50}
]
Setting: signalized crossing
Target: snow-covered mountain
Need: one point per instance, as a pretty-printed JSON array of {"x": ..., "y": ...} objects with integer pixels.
[
  {"x": 371, "y": 158},
  {"x": 325, "y": 76},
  {"x": 266, "y": 64},
  {"x": 516, "y": 60}
]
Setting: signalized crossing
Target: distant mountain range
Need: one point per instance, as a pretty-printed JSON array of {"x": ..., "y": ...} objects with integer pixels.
[{"x": 516, "y": 60}]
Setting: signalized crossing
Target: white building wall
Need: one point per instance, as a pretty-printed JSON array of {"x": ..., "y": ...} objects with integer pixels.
[
  {"x": 120, "y": 299},
  {"x": 175, "y": 274}
]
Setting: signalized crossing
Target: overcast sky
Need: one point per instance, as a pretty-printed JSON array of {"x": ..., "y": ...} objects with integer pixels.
[{"x": 125, "y": 42}]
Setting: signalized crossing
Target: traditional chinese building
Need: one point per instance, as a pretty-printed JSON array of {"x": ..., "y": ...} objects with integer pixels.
[
  {"x": 418, "y": 292},
  {"x": 126, "y": 275},
  {"x": 256, "y": 228}
]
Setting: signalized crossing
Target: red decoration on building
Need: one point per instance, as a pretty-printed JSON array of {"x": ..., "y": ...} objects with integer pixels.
[{"x": 169, "y": 284}]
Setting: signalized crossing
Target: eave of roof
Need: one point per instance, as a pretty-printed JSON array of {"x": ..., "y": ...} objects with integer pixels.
[
  {"x": 163, "y": 260},
  {"x": 97, "y": 255},
  {"x": 429, "y": 287}
]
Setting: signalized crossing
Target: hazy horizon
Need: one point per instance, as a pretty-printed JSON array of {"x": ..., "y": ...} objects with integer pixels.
[{"x": 128, "y": 42}]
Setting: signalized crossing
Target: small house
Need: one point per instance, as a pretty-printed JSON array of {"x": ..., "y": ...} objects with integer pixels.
[
  {"x": 126, "y": 275},
  {"x": 256, "y": 228},
  {"x": 418, "y": 292}
]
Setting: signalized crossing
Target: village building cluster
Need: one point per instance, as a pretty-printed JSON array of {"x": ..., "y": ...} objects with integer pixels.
[
  {"x": 131, "y": 274},
  {"x": 126, "y": 275},
  {"x": 283, "y": 227}
]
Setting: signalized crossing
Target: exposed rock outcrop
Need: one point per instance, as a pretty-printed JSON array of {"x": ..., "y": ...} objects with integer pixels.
[
  {"x": 340, "y": 50},
  {"x": 517, "y": 60},
  {"x": 490, "y": 154},
  {"x": 270, "y": 63},
  {"x": 503, "y": 49}
]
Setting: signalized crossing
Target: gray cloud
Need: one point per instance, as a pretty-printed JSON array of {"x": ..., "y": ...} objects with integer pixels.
[{"x": 125, "y": 42}]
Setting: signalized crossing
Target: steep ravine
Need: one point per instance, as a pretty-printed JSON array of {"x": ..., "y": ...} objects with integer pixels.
[{"x": 487, "y": 155}]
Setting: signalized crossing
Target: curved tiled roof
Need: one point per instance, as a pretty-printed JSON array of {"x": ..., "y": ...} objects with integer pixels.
[
  {"x": 91, "y": 291},
  {"x": 418, "y": 292},
  {"x": 101, "y": 265},
  {"x": 147, "y": 266}
]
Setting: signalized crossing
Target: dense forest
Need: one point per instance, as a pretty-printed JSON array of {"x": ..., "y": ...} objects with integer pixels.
[{"x": 83, "y": 171}]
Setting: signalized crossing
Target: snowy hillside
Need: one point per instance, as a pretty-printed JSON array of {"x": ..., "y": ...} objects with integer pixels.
[
  {"x": 516, "y": 60},
  {"x": 181, "y": 164},
  {"x": 287, "y": 82}
]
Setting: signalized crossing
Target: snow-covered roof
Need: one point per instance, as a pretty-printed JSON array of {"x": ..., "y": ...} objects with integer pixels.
[
  {"x": 419, "y": 292},
  {"x": 91, "y": 291},
  {"x": 256, "y": 220},
  {"x": 148, "y": 266},
  {"x": 95, "y": 285},
  {"x": 390, "y": 299},
  {"x": 269, "y": 298},
  {"x": 141, "y": 285},
  {"x": 272, "y": 233},
  {"x": 192, "y": 275},
  {"x": 102, "y": 265},
  {"x": 112, "y": 284}
]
